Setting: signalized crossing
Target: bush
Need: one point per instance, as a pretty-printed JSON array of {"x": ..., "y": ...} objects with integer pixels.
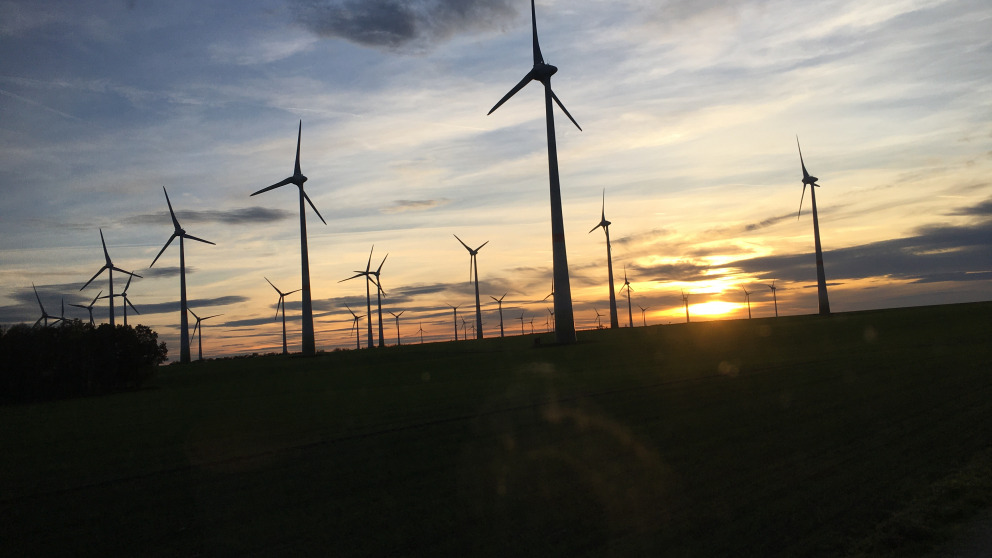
[{"x": 75, "y": 359}]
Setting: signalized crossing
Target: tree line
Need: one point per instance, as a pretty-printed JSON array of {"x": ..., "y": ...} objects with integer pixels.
[{"x": 74, "y": 359}]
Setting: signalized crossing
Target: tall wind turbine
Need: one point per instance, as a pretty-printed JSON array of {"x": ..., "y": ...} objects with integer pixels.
[
  {"x": 109, "y": 267},
  {"x": 378, "y": 294},
  {"x": 44, "y": 315},
  {"x": 281, "y": 303},
  {"x": 747, "y": 298},
  {"x": 626, "y": 285},
  {"x": 397, "y": 316},
  {"x": 473, "y": 263},
  {"x": 196, "y": 327},
  {"x": 614, "y": 323},
  {"x": 127, "y": 301},
  {"x": 354, "y": 327},
  {"x": 455, "y": 309},
  {"x": 179, "y": 233},
  {"x": 368, "y": 292},
  {"x": 685, "y": 301},
  {"x": 309, "y": 344},
  {"x": 565, "y": 323},
  {"x": 88, "y": 307},
  {"x": 499, "y": 302},
  {"x": 821, "y": 279},
  {"x": 774, "y": 296}
]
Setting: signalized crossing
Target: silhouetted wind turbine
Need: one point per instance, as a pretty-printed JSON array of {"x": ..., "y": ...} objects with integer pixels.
[
  {"x": 455, "y": 308},
  {"x": 354, "y": 326},
  {"x": 397, "y": 316},
  {"x": 196, "y": 327},
  {"x": 179, "y": 233},
  {"x": 473, "y": 263},
  {"x": 88, "y": 307},
  {"x": 309, "y": 344},
  {"x": 378, "y": 295},
  {"x": 747, "y": 298},
  {"x": 109, "y": 267},
  {"x": 564, "y": 323},
  {"x": 821, "y": 279},
  {"x": 614, "y": 323},
  {"x": 421, "y": 332},
  {"x": 281, "y": 303},
  {"x": 626, "y": 285},
  {"x": 521, "y": 323},
  {"x": 127, "y": 301},
  {"x": 551, "y": 311},
  {"x": 532, "y": 326},
  {"x": 368, "y": 292},
  {"x": 464, "y": 330},
  {"x": 774, "y": 297},
  {"x": 499, "y": 302},
  {"x": 685, "y": 301},
  {"x": 44, "y": 314},
  {"x": 644, "y": 321},
  {"x": 599, "y": 321}
]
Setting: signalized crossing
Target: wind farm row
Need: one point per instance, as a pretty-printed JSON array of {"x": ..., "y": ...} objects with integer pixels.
[{"x": 560, "y": 314}]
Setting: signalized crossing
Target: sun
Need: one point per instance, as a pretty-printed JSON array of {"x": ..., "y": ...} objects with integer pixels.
[{"x": 713, "y": 308}]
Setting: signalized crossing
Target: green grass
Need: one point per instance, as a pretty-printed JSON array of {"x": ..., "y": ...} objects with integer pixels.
[{"x": 859, "y": 434}]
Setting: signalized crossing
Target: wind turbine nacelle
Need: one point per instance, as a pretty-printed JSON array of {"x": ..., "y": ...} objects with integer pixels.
[
  {"x": 543, "y": 72},
  {"x": 811, "y": 180},
  {"x": 299, "y": 179}
]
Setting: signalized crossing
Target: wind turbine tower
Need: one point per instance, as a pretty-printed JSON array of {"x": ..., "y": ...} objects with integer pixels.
[
  {"x": 473, "y": 263},
  {"x": 109, "y": 267},
  {"x": 614, "y": 323},
  {"x": 747, "y": 298},
  {"x": 821, "y": 279},
  {"x": 542, "y": 72},
  {"x": 397, "y": 316},
  {"x": 685, "y": 301},
  {"x": 455, "y": 309},
  {"x": 180, "y": 233},
  {"x": 309, "y": 344},
  {"x": 499, "y": 302},
  {"x": 774, "y": 297},
  {"x": 626, "y": 285}
]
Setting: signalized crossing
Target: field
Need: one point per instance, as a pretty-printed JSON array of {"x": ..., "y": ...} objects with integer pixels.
[{"x": 863, "y": 433}]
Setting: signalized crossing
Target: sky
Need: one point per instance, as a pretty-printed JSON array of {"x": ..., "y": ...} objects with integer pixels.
[{"x": 690, "y": 112}]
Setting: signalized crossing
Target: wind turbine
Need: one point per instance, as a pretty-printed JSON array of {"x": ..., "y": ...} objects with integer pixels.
[
  {"x": 599, "y": 321},
  {"x": 309, "y": 344},
  {"x": 109, "y": 267},
  {"x": 354, "y": 327},
  {"x": 521, "y": 323},
  {"x": 614, "y": 323},
  {"x": 421, "y": 332},
  {"x": 127, "y": 301},
  {"x": 473, "y": 263},
  {"x": 464, "y": 329},
  {"x": 747, "y": 298},
  {"x": 378, "y": 294},
  {"x": 281, "y": 303},
  {"x": 551, "y": 311},
  {"x": 44, "y": 314},
  {"x": 397, "y": 316},
  {"x": 644, "y": 321},
  {"x": 499, "y": 301},
  {"x": 774, "y": 296},
  {"x": 685, "y": 301},
  {"x": 196, "y": 327},
  {"x": 564, "y": 324},
  {"x": 626, "y": 285},
  {"x": 368, "y": 292},
  {"x": 532, "y": 326},
  {"x": 180, "y": 233},
  {"x": 821, "y": 280},
  {"x": 455, "y": 308},
  {"x": 88, "y": 307}
]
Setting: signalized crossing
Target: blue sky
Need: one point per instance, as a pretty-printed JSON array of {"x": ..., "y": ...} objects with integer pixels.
[{"x": 690, "y": 112}]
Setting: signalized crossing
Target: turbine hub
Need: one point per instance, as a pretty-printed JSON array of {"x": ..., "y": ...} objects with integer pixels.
[
  {"x": 543, "y": 72},
  {"x": 299, "y": 179},
  {"x": 811, "y": 180}
]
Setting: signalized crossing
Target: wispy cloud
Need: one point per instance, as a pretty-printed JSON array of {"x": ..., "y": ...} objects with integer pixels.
[
  {"x": 401, "y": 206},
  {"x": 229, "y": 217}
]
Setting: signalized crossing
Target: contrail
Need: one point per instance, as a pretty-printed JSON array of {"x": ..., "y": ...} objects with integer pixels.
[{"x": 37, "y": 104}]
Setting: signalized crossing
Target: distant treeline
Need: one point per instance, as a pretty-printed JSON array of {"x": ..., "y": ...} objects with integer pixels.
[{"x": 74, "y": 359}]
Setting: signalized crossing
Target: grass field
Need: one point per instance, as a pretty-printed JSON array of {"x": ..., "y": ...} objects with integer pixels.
[{"x": 859, "y": 434}]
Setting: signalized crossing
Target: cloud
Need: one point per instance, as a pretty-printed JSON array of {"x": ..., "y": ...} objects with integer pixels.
[
  {"x": 400, "y": 206},
  {"x": 983, "y": 209},
  {"x": 229, "y": 217},
  {"x": 400, "y": 25},
  {"x": 158, "y": 272},
  {"x": 195, "y": 304}
]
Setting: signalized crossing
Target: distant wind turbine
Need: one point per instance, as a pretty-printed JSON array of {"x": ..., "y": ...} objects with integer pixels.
[
  {"x": 614, "y": 323},
  {"x": 127, "y": 301},
  {"x": 564, "y": 324},
  {"x": 499, "y": 302},
  {"x": 282, "y": 303},
  {"x": 521, "y": 323},
  {"x": 421, "y": 332},
  {"x": 179, "y": 233},
  {"x": 88, "y": 307},
  {"x": 196, "y": 327},
  {"x": 455, "y": 309},
  {"x": 378, "y": 295},
  {"x": 747, "y": 298},
  {"x": 644, "y": 321},
  {"x": 626, "y": 285},
  {"x": 774, "y": 297},
  {"x": 551, "y": 311},
  {"x": 109, "y": 267},
  {"x": 473, "y": 263},
  {"x": 309, "y": 343},
  {"x": 368, "y": 292},
  {"x": 355, "y": 328},
  {"x": 44, "y": 315},
  {"x": 599, "y": 320},
  {"x": 685, "y": 301},
  {"x": 821, "y": 279},
  {"x": 397, "y": 316}
]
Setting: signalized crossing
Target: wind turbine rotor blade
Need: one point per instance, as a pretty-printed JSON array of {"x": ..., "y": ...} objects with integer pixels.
[
  {"x": 291, "y": 292},
  {"x": 191, "y": 237},
  {"x": 596, "y": 227},
  {"x": 274, "y": 186},
  {"x": 462, "y": 243},
  {"x": 96, "y": 297},
  {"x": 299, "y": 136},
  {"x": 105, "y": 253},
  {"x": 78, "y": 305},
  {"x": 273, "y": 286},
  {"x": 314, "y": 207},
  {"x": 380, "y": 266},
  {"x": 128, "y": 302},
  {"x": 160, "y": 252},
  {"x": 282, "y": 303},
  {"x": 517, "y": 87},
  {"x": 39, "y": 298},
  {"x": 565, "y": 110},
  {"x": 91, "y": 278},
  {"x": 480, "y": 247},
  {"x": 538, "y": 58},
  {"x": 801, "y": 163},
  {"x": 368, "y": 264},
  {"x": 124, "y": 271},
  {"x": 208, "y": 317},
  {"x": 356, "y": 276},
  {"x": 175, "y": 222},
  {"x": 801, "y": 202}
]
